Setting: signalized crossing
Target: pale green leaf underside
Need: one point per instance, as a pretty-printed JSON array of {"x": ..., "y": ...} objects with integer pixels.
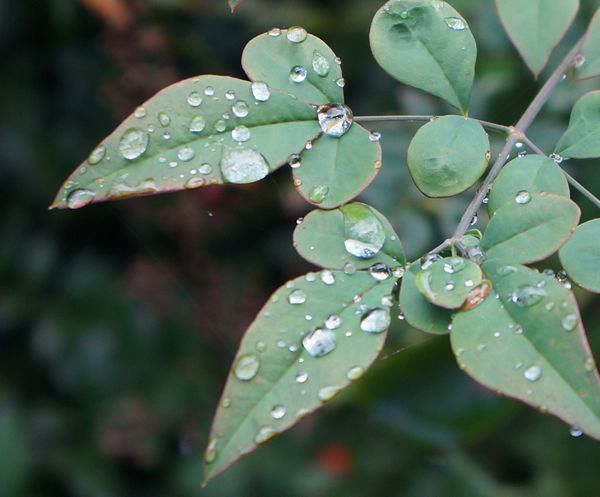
[
  {"x": 582, "y": 138},
  {"x": 418, "y": 43},
  {"x": 418, "y": 312},
  {"x": 530, "y": 232},
  {"x": 580, "y": 256},
  {"x": 536, "y": 26},
  {"x": 532, "y": 173},
  {"x": 335, "y": 170},
  {"x": 277, "y": 128},
  {"x": 448, "y": 155},
  {"x": 275, "y": 338},
  {"x": 320, "y": 238},
  {"x": 526, "y": 352},
  {"x": 271, "y": 58},
  {"x": 590, "y": 68}
]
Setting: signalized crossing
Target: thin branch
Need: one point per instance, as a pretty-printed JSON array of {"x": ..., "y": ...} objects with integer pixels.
[{"x": 399, "y": 118}]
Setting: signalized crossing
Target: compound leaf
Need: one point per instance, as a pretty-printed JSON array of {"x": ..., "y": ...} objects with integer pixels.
[
  {"x": 582, "y": 138},
  {"x": 448, "y": 155},
  {"x": 533, "y": 174},
  {"x": 294, "y": 61},
  {"x": 285, "y": 368},
  {"x": 531, "y": 228},
  {"x": 355, "y": 234},
  {"x": 536, "y": 26},
  {"x": 589, "y": 67},
  {"x": 580, "y": 256},
  {"x": 426, "y": 44},
  {"x": 526, "y": 341},
  {"x": 180, "y": 139}
]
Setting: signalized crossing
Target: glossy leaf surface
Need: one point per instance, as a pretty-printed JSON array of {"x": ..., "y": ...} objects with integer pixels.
[
  {"x": 589, "y": 65},
  {"x": 580, "y": 256},
  {"x": 582, "y": 138}
]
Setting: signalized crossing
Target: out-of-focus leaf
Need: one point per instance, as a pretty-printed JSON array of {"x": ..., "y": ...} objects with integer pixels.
[
  {"x": 288, "y": 365},
  {"x": 426, "y": 44},
  {"x": 526, "y": 341},
  {"x": 580, "y": 256},
  {"x": 529, "y": 229},
  {"x": 582, "y": 138},
  {"x": 532, "y": 173},
  {"x": 448, "y": 155},
  {"x": 355, "y": 234},
  {"x": 589, "y": 66},
  {"x": 536, "y": 26}
]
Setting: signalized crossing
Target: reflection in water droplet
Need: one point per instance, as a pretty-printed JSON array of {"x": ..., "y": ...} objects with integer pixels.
[
  {"x": 186, "y": 154},
  {"x": 261, "y": 91},
  {"x": 134, "y": 143},
  {"x": 302, "y": 377},
  {"x": 456, "y": 23},
  {"x": 380, "y": 271},
  {"x": 246, "y": 367},
  {"x": 569, "y": 322},
  {"x": 375, "y": 136},
  {"x": 319, "y": 342},
  {"x": 375, "y": 321},
  {"x": 294, "y": 161},
  {"x": 140, "y": 112},
  {"x": 240, "y": 109},
  {"x": 278, "y": 411},
  {"x": 365, "y": 235},
  {"x": 205, "y": 169},
  {"x": 264, "y": 434},
  {"x": 274, "y": 32},
  {"x": 320, "y": 64},
  {"x": 527, "y": 295},
  {"x": 240, "y": 134},
  {"x": 523, "y": 197},
  {"x": 80, "y": 198},
  {"x": 97, "y": 155},
  {"x": 328, "y": 393},
  {"x": 194, "y": 99},
  {"x": 296, "y": 34},
  {"x": 243, "y": 165},
  {"x": 533, "y": 373},
  {"x": 226, "y": 402},
  {"x": 198, "y": 124},
  {"x": 335, "y": 119},
  {"x": 327, "y": 277},
  {"x": 333, "y": 322},
  {"x": 355, "y": 373},
  {"x": 298, "y": 74}
]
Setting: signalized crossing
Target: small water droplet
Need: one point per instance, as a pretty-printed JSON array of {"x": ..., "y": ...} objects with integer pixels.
[
  {"x": 194, "y": 99},
  {"x": 205, "y": 169},
  {"x": 220, "y": 125},
  {"x": 456, "y": 23},
  {"x": 319, "y": 342},
  {"x": 557, "y": 158},
  {"x": 302, "y": 377},
  {"x": 575, "y": 432},
  {"x": 164, "y": 119},
  {"x": 278, "y": 411},
  {"x": 561, "y": 276},
  {"x": 333, "y": 322},
  {"x": 328, "y": 393},
  {"x": 579, "y": 60},
  {"x": 349, "y": 269},
  {"x": 243, "y": 165},
  {"x": 240, "y": 134},
  {"x": 226, "y": 402},
  {"x": 209, "y": 91},
  {"x": 341, "y": 82},
  {"x": 294, "y": 161},
  {"x": 327, "y": 277},
  {"x": 264, "y": 434},
  {"x": 260, "y": 91},
  {"x": 186, "y": 154},
  {"x": 246, "y": 368},
  {"x": 211, "y": 451},
  {"x": 569, "y": 322},
  {"x": 454, "y": 265},
  {"x": 296, "y": 34},
  {"x": 97, "y": 155},
  {"x": 533, "y": 373},
  {"x": 375, "y": 321},
  {"x": 355, "y": 373},
  {"x": 274, "y": 32},
  {"x": 134, "y": 143},
  {"x": 450, "y": 285},
  {"x": 527, "y": 295},
  {"x": 506, "y": 270},
  {"x": 320, "y": 64},
  {"x": 140, "y": 112},
  {"x": 428, "y": 260},
  {"x": 240, "y": 109},
  {"x": 80, "y": 198},
  {"x": 380, "y": 271},
  {"x": 523, "y": 197},
  {"x": 334, "y": 119},
  {"x": 297, "y": 297},
  {"x": 318, "y": 193},
  {"x": 298, "y": 74},
  {"x": 375, "y": 136},
  {"x": 195, "y": 182}
]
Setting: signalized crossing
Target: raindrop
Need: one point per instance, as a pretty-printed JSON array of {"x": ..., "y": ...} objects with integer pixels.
[
  {"x": 450, "y": 285},
  {"x": 261, "y": 91},
  {"x": 327, "y": 277},
  {"x": 454, "y": 265},
  {"x": 97, "y": 155},
  {"x": 569, "y": 322},
  {"x": 456, "y": 23},
  {"x": 205, "y": 169},
  {"x": 240, "y": 134},
  {"x": 533, "y": 373},
  {"x": 294, "y": 161},
  {"x": 349, "y": 269},
  {"x": 506, "y": 270},
  {"x": 355, "y": 373},
  {"x": 134, "y": 143},
  {"x": 186, "y": 154},
  {"x": 274, "y": 32},
  {"x": 575, "y": 432},
  {"x": 328, "y": 393},
  {"x": 318, "y": 193},
  {"x": 140, "y": 112},
  {"x": 523, "y": 197},
  {"x": 243, "y": 165},
  {"x": 297, "y": 297},
  {"x": 164, "y": 119},
  {"x": 211, "y": 452},
  {"x": 518, "y": 329},
  {"x": 278, "y": 411},
  {"x": 527, "y": 295},
  {"x": 80, "y": 198},
  {"x": 375, "y": 321},
  {"x": 264, "y": 434},
  {"x": 194, "y": 99},
  {"x": 428, "y": 260},
  {"x": 319, "y": 342},
  {"x": 220, "y": 125},
  {"x": 302, "y": 377},
  {"x": 226, "y": 402},
  {"x": 589, "y": 365},
  {"x": 380, "y": 271},
  {"x": 240, "y": 108},
  {"x": 579, "y": 61},
  {"x": 209, "y": 91},
  {"x": 341, "y": 82},
  {"x": 298, "y": 74},
  {"x": 320, "y": 64},
  {"x": 557, "y": 158},
  {"x": 398, "y": 272},
  {"x": 246, "y": 367},
  {"x": 474, "y": 220},
  {"x": 365, "y": 235},
  {"x": 561, "y": 276},
  {"x": 375, "y": 136},
  {"x": 296, "y": 34},
  {"x": 334, "y": 119},
  {"x": 194, "y": 183},
  {"x": 333, "y": 322}
]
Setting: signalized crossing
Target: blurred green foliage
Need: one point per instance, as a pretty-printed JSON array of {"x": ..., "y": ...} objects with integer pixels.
[{"x": 118, "y": 322}]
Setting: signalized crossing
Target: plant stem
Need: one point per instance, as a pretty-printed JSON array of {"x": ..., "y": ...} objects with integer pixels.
[
  {"x": 399, "y": 118},
  {"x": 572, "y": 181},
  {"x": 517, "y": 133}
]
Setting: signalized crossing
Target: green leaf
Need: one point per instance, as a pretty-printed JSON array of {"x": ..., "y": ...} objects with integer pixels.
[
  {"x": 582, "y": 138},
  {"x": 179, "y": 139},
  {"x": 448, "y": 155},
  {"x": 335, "y": 170},
  {"x": 526, "y": 341},
  {"x": 448, "y": 281},
  {"x": 426, "y": 44},
  {"x": 536, "y": 26},
  {"x": 272, "y": 58},
  {"x": 356, "y": 234},
  {"x": 531, "y": 228},
  {"x": 532, "y": 173},
  {"x": 275, "y": 381},
  {"x": 589, "y": 66},
  {"x": 580, "y": 256},
  {"x": 418, "y": 312}
]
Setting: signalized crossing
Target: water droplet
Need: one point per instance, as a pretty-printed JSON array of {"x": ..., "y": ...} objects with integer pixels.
[
  {"x": 302, "y": 377},
  {"x": 140, "y": 112},
  {"x": 589, "y": 365},
  {"x": 320, "y": 64},
  {"x": 527, "y": 295},
  {"x": 226, "y": 402},
  {"x": 205, "y": 169},
  {"x": 220, "y": 125},
  {"x": 328, "y": 393},
  {"x": 294, "y": 161},
  {"x": 450, "y": 285},
  {"x": 134, "y": 143},
  {"x": 333, "y": 322},
  {"x": 240, "y": 109},
  {"x": 506, "y": 270},
  {"x": 192, "y": 183},
  {"x": 211, "y": 451},
  {"x": 274, "y": 32},
  {"x": 456, "y": 23},
  {"x": 575, "y": 432},
  {"x": 518, "y": 329},
  {"x": 523, "y": 197},
  {"x": 561, "y": 276},
  {"x": 319, "y": 342},
  {"x": 380, "y": 271},
  {"x": 469, "y": 283},
  {"x": 261, "y": 346},
  {"x": 97, "y": 155},
  {"x": 278, "y": 411},
  {"x": 243, "y": 165},
  {"x": 365, "y": 235},
  {"x": 334, "y": 119},
  {"x": 240, "y": 134},
  {"x": 296, "y": 34},
  {"x": 264, "y": 434},
  {"x": 569, "y": 322},
  {"x": 327, "y": 277},
  {"x": 318, "y": 193},
  {"x": 428, "y": 260},
  {"x": 209, "y": 91},
  {"x": 164, "y": 119},
  {"x": 246, "y": 367},
  {"x": 261, "y": 91},
  {"x": 557, "y": 158},
  {"x": 533, "y": 373},
  {"x": 298, "y": 74},
  {"x": 454, "y": 265},
  {"x": 355, "y": 373},
  {"x": 80, "y": 198},
  {"x": 195, "y": 99},
  {"x": 341, "y": 82},
  {"x": 375, "y": 136},
  {"x": 186, "y": 154},
  {"x": 375, "y": 321},
  {"x": 398, "y": 272},
  {"x": 579, "y": 60},
  {"x": 297, "y": 297}
]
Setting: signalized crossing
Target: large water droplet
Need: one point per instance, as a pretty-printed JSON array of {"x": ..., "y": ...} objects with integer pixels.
[
  {"x": 97, "y": 155},
  {"x": 527, "y": 295},
  {"x": 294, "y": 161},
  {"x": 298, "y": 74},
  {"x": 523, "y": 197},
  {"x": 246, "y": 367},
  {"x": 261, "y": 91},
  {"x": 533, "y": 373},
  {"x": 80, "y": 198},
  {"x": 240, "y": 134},
  {"x": 243, "y": 165},
  {"x": 264, "y": 434},
  {"x": 297, "y": 297},
  {"x": 194, "y": 99},
  {"x": 186, "y": 154},
  {"x": 569, "y": 322},
  {"x": 240, "y": 108},
  {"x": 380, "y": 271},
  {"x": 365, "y": 235},
  {"x": 319, "y": 342},
  {"x": 375, "y": 321},
  {"x": 296, "y": 34},
  {"x": 334, "y": 119},
  {"x": 134, "y": 143},
  {"x": 456, "y": 23},
  {"x": 278, "y": 411},
  {"x": 198, "y": 124},
  {"x": 320, "y": 64},
  {"x": 328, "y": 393}
]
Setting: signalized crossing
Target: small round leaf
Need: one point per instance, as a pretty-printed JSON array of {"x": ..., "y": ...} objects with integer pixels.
[{"x": 580, "y": 256}]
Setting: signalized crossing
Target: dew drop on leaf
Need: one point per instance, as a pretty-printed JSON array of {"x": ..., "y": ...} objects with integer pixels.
[
  {"x": 274, "y": 32},
  {"x": 240, "y": 134},
  {"x": 194, "y": 99},
  {"x": 320, "y": 64},
  {"x": 333, "y": 322},
  {"x": 278, "y": 411},
  {"x": 375, "y": 321},
  {"x": 569, "y": 322},
  {"x": 298, "y": 74},
  {"x": 260, "y": 91},
  {"x": 527, "y": 295},
  {"x": 264, "y": 434},
  {"x": 533, "y": 373},
  {"x": 97, "y": 155},
  {"x": 195, "y": 182},
  {"x": 364, "y": 233},
  {"x": 205, "y": 169},
  {"x": 380, "y": 271},
  {"x": 523, "y": 197},
  {"x": 246, "y": 368},
  {"x": 243, "y": 165},
  {"x": 334, "y": 119},
  {"x": 80, "y": 198},
  {"x": 456, "y": 23},
  {"x": 209, "y": 91},
  {"x": 302, "y": 377},
  {"x": 575, "y": 432},
  {"x": 355, "y": 373},
  {"x": 296, "y": 34},
  {"x": 140, "y": 112},
  {"x": 297, "y": 297},
  {"x": 375, "y": 136},
  {"x": 186, "y": 154},
  {"x": 319, "y": 342},
  {"x": 294, "y": 161},
  {"x": 240, "y": 108},
  {"x": 134, "y": 143},
  {"x": 211, "y": 451},
  {"x": 454, "y": 265},
  {"x": 327, "y": 277},
  {"x": 328, "y": 393},
  {"x": 318, "y": 193}
]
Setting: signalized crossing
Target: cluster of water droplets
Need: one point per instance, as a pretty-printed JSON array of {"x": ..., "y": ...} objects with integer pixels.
[{"x": 398, "y": 10}]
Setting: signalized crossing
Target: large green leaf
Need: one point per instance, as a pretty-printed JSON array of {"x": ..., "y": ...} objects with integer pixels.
[
  {"x": 356, "y": 234},
  {"x": 448, "y": 155},
  {"x": 296, "y": 62},
  {"x": 417, "y": 311},
  {"x": 526, "y": 341},
  {"x": 531, "y": 228},
  {"x": 580, "y": 256},
  {"x": 536, "y": 26},
  {"x": 582, "y": 138},
  {"x": 201, "y": 131},
  {"x": 276, "y": 379},
  {"x": 589, "y": 65},
  {"x": 426, "y": 44},
  {"x": 335, "y": 170},
  {"x": 532, "y": 173}
]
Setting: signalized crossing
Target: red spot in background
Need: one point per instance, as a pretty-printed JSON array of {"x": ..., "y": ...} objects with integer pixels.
[{"x": 335, "y": 460}]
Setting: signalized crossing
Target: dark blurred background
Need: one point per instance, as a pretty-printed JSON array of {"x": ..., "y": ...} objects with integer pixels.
[{"x": 118, "y": 322}]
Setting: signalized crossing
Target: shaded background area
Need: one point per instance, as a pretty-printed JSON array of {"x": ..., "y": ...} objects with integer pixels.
[{"x": 118, "y": 322}]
